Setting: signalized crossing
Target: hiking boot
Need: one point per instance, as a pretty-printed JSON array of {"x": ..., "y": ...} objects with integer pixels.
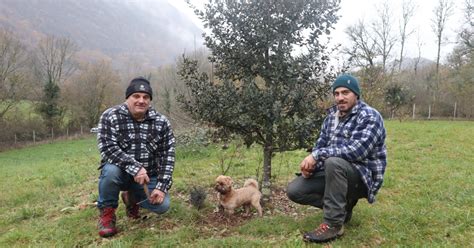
[
  {"x": 133, "y": 210},
  {"x": 349, "y": 207},
  {"x": 107, "y": 221},
  {"x": 324, "y": 233}
]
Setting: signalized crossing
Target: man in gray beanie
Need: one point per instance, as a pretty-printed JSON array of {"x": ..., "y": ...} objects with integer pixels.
[
  {"x": 347, "y": 162},
  {"x": 137, "y": 149}
]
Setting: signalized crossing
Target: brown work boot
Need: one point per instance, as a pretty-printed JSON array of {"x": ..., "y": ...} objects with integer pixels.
[
  {"x": 107, "y": 221},
  {"x": 324, "y": 233},
  {"x": 133, "y": 210}
]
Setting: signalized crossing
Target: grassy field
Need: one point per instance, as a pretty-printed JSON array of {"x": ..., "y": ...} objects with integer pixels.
[{"x": 427, "y": 198}]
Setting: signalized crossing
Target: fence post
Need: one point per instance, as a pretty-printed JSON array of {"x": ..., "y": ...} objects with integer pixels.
[
  {"x": 81, "y": 131},
  {"x": 429, "y": 111},
  {"x": 414, "y": 107},
  {"x": 455, "y": 106},
  {"x": 67, "y": 132},
  {"x": 52, "y": 133},
  {"x": 34, "y": 137},
  {"x": 15, "y": 138}
]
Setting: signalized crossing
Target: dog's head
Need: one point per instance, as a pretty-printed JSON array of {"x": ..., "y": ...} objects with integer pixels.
[{"x": 223, "y": 184}]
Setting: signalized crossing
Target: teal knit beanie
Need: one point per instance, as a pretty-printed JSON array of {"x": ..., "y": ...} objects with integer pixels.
[{"x": 348, "y": 81}]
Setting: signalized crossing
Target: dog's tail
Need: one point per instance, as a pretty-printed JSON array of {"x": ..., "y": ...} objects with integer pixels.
[{"x": 251, "y": 182}]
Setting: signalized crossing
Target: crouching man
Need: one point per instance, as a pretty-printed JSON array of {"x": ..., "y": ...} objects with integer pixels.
[
  {"x": 347, "y": 162},
  {"x": 137, "y": 149}
]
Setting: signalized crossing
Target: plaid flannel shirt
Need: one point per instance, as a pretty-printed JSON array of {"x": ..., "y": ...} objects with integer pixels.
[
  {"x": 132, "y": 145},
  {"x": 358, "y": 137}
]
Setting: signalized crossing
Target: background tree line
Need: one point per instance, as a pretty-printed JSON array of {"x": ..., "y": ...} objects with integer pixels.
[{"x": 392, "y": 82}]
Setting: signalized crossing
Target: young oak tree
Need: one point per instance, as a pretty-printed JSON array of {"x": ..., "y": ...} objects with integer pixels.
[{"x": 270, "y": 71}]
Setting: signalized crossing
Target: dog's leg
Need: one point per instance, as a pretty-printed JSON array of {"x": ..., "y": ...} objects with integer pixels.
[
  {"x": 229, "y": 211},
  {"x": 247, "y": 209},
  {"x": 219, "y": 208},
  {"x": 256, "y": 205}
]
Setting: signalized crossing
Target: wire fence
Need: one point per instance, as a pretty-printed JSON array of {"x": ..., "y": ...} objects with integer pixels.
[
  {"x": 14, "y": 139},
  {"x": 32, "y": 137}
]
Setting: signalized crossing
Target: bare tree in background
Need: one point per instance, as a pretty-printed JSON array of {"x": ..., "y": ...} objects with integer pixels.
[
  {"x": 467, "y": 33},
  {"x": 441, "y": 14},
  {"x": 408, "y": 10},
  {"x": 363, "y": 49},
  {"x": 12, "y": 59},
  {"x": 54, "y": 62},
  {"x": 382, "y": 28},
  {"x": 91, "y": 92},
  {"x": 55, "y": 58},
  {"x": 419, "y": 45}
]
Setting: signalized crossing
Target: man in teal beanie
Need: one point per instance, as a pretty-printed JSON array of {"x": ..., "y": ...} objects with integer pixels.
[{"x": 347, "y": 162}]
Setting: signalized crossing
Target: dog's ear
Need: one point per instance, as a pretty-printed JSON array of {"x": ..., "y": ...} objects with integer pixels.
[
  {"x": 220, "y": 178},
  {"x": 227, "y": 180}
]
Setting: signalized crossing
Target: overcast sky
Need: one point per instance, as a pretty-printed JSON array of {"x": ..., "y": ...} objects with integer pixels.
[{"x": 354, "y": 10}]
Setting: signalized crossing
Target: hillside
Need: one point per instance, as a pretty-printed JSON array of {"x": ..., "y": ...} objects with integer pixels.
[{"x": 150, "y": 31}]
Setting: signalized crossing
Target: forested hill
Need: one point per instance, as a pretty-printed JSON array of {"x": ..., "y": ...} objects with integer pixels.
[{"x": 152, "y": 30}]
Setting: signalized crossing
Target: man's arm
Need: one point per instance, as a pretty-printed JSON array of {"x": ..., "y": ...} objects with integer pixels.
[
  {"x": 110, "y": 151},
  {"x": 323, "y": 141},
  {"x": 166, "y": 153}
]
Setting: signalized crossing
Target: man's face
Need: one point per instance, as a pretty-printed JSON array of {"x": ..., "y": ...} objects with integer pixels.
[
  {"x": 345, "y": 99},
  {"x": 138, "y": 103}
]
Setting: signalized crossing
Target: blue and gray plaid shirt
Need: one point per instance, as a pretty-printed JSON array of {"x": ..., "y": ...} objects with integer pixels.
[
  {"x": 131, "y": 145},
  {"x": 358, "y": 137}
]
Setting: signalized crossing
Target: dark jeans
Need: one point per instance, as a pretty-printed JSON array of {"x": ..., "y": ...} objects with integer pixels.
[
  {"x": 112, "y": 180},
  {"x": 338, "y": 185}
]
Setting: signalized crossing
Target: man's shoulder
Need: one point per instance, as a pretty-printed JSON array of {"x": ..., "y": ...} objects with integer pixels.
[
  {"x": 365, "y": 110},
  {"x": 114, "y": 110},
  {"x": 157, "y": 116}
]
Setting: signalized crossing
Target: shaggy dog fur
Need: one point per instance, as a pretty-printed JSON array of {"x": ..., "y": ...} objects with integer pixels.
[{"x": 230, "y": 198}]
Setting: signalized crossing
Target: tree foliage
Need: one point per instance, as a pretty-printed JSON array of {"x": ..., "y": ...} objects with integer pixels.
[
  {"x": 270, "y": 71},
  {"x": 395, "y": 97}
]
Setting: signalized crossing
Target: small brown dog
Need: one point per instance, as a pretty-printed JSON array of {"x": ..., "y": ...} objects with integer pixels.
[{"x": 230, "y": 198}]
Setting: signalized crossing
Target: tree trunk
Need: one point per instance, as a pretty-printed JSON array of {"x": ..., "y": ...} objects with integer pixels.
[{"x": 267, "y": 172}]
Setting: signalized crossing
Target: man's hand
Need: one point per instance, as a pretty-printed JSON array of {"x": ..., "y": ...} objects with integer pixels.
[
  {"x": 307, "y": 166},
  {"x": 157, "y": 196},
  {"x": 141, "y": 177}
]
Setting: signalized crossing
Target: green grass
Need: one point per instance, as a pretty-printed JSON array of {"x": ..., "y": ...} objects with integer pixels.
[{"x": 427, "y": 199}]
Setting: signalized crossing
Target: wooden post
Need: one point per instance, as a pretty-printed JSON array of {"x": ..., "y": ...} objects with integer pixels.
[
  {"x": 15, "y": 138},
  {"x": 429, "y": 112},
  {"x": 455, "y": 106},
  {"x": 414, "y": 108},
  {"x": 34, "y": 137},
  {"x": 52, "y": 133}
]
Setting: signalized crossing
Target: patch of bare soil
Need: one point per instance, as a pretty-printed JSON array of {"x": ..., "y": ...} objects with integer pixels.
[{"x": 278, "y": 205}]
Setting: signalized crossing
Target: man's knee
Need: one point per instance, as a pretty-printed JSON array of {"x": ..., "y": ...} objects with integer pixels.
[
  {"x": 161, "y": 208},
  {"x": 110, "y": 174},
  {"x": 293, "y": 190},
  {"x": 332, "y": 164}
]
